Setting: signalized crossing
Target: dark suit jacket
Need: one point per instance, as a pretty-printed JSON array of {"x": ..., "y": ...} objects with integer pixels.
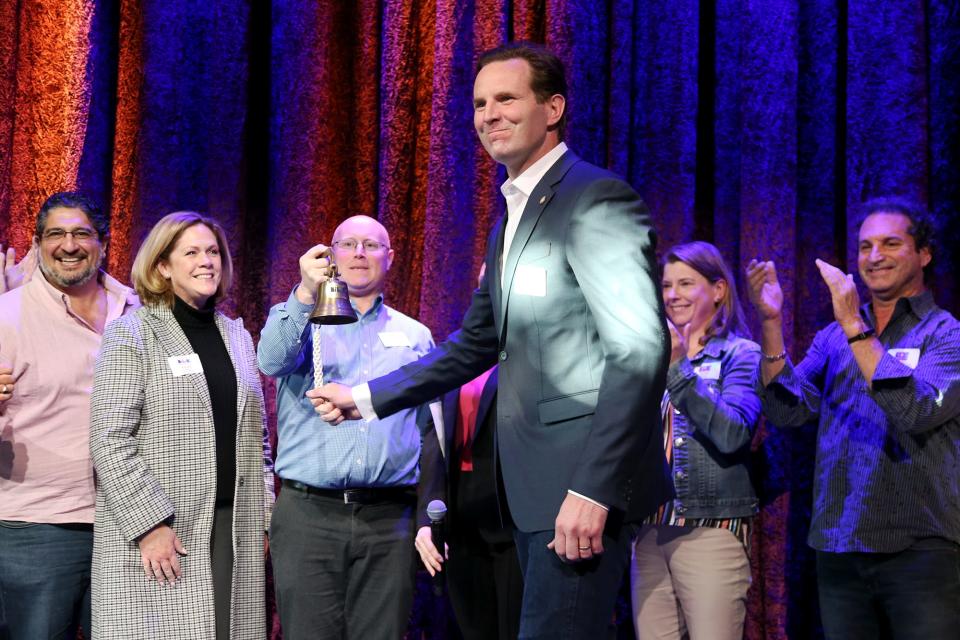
[{"x": 582, "y": 347}]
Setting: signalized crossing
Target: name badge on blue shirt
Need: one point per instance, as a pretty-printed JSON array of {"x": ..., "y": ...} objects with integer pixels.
[{"x": 394, "y": 339}]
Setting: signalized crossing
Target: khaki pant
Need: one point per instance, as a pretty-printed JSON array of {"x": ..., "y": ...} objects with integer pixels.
[{"x": 688, "y": 581}]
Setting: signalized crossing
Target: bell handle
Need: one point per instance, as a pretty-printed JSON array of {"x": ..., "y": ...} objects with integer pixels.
[{"x": 328, "y": 254}]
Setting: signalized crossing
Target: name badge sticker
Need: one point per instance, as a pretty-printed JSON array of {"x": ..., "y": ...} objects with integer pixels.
[
  {"x": 530, "y": 281},
  {"x": 909, "y": 357},
  {"x": 185, "y": 365},
  {"x": 394, "y": 339},
  {"x": 709, "y": 370}
]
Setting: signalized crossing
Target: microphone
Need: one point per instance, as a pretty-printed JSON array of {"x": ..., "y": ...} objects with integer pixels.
[{"x": 437, "y": 511}]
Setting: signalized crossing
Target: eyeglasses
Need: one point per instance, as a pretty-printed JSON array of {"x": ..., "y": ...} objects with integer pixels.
[
  {"x": 82, "y": 235},
  {"x": 350, "y": 245}
]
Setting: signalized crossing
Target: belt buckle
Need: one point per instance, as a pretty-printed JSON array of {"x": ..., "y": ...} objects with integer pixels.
[{"x": 348, "y": 494}]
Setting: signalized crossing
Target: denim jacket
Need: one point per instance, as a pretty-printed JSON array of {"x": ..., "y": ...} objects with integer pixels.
[{"x": 716, "y": 408}]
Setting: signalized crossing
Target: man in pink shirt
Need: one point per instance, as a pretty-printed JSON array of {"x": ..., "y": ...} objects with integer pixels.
[{"x": 50, "y": 331}]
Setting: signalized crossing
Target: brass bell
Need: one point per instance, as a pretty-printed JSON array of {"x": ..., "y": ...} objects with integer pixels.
[{"x": 333, "y": 299}]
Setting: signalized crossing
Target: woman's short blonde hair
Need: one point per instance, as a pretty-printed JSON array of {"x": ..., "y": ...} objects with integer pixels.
[{"x": 151, "y": 286}]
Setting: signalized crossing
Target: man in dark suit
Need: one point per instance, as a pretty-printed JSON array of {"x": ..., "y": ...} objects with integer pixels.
[
  {"x": 482, "y": 573},
  {"x": 570, "y": 308}
]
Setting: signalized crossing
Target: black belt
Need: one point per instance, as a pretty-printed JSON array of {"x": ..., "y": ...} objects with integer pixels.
[{"x": 363, "y": 495}]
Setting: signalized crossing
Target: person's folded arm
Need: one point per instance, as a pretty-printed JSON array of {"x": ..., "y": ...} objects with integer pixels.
[{"x": 726, "y": 417}]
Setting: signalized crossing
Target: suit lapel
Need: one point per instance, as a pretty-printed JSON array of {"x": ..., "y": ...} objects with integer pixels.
[
  {"x": 174, "y": 342},
  {"x": 493, "y": 267},
  {"x": 536, "y": 204},
  {"x": 233, "y": 339}
]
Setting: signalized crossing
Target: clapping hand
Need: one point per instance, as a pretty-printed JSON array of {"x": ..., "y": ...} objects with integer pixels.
[
  {"x": 844, "y": 296},
  {"x": 679, "y": 341},
  {"x": 12, "y": 273},
  {"x": 764, "y": 289}
]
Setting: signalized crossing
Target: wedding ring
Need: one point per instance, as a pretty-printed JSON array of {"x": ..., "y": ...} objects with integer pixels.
[
  {"x": 583, "y": 548},
  {"x": 3, "y": 391}
]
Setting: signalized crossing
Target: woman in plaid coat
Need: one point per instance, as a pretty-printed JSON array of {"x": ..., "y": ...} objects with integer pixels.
[{"x": 177, "y": 438}]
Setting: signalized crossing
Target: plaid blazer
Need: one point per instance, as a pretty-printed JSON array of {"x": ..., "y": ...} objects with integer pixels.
[{"x": 153, "y": 447}]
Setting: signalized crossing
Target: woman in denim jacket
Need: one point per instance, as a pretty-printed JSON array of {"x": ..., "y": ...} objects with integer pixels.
[{"x": 690, "y": 570}]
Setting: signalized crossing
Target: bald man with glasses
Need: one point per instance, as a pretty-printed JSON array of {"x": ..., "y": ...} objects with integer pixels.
[{"x": 343, "y": 527}]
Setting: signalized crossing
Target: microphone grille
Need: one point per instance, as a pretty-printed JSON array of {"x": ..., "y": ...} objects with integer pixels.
[{"x": 436, "y": 510}]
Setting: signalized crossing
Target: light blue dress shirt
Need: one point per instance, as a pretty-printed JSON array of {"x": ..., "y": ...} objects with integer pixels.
[{"x": 355, "y": 453}]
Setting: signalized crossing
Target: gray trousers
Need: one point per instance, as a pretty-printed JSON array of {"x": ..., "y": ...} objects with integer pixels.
[{"x": 342, "y": 570}]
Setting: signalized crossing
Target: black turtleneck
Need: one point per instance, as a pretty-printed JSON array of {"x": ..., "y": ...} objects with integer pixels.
[{"x": 201, "y": 330}]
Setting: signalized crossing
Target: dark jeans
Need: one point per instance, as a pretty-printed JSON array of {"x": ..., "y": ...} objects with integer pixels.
[
  {"x": 570, "y": 600},
  {"x": 913, "y": 594},
  {"x": 45, "y": 580},
  {"x": 342, "y": 570}
]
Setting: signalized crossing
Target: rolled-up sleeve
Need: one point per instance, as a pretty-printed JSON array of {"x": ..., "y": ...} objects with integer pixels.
[
  {"x": 918, "y": 399},
  {"x": 792, "y": 399}
]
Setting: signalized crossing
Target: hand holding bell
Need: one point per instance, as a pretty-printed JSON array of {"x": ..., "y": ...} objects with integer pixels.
[{"x": 333, "y": 299}]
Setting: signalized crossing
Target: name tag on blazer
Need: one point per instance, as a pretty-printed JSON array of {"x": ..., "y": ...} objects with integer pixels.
[
  {"x": 184, "y": 365},
  {"x": 394, "y": 339},
  {"x": 530, "y": 281},
  {"x": 909, "y": 357}
]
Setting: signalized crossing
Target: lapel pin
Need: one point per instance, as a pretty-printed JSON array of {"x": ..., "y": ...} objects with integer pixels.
[{"x": 543, "y": 199}]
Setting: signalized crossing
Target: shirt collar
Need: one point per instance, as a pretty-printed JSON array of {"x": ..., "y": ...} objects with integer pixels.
[
  {"x": 920, "y": 305},
  {"x": 713, "y": 349},
  {"x": 528, "y": 180},
  {"x": 374, "y": 309},
  {"x": 114, "y": 289}
]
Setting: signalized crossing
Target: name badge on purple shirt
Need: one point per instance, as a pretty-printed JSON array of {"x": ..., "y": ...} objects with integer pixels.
[{"x": 909, "y": 357}]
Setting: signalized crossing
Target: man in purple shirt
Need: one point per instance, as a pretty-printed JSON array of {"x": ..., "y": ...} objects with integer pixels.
[
  {"x": 50, "y": 331},
  {"x": 883, "y": 385}
]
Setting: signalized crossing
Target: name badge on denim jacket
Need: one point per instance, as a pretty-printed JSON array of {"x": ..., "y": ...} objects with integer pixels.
[{"x": 708, "y": 370}]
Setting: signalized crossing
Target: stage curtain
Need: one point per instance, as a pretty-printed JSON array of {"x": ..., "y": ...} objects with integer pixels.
[{"x": 759, "y": 126}]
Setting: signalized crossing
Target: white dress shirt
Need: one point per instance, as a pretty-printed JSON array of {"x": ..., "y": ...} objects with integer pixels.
[{"x": 516, "y": 192}]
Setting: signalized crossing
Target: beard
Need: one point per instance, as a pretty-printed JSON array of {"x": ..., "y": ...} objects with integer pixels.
[{"x": 73, "y": 279}]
